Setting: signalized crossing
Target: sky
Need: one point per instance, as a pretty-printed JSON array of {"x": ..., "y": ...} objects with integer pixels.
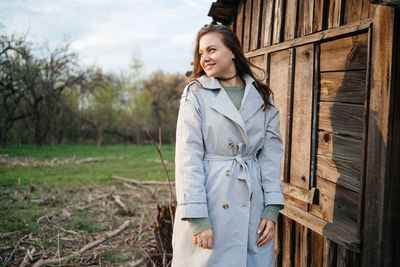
[{"x": 109, "y": 32}]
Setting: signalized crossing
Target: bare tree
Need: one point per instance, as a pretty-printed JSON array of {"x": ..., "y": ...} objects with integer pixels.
[
  {"x": 165, "y": 90},
  {"x": 57, "y": 72},
  {"x": 14, "y": 56}
]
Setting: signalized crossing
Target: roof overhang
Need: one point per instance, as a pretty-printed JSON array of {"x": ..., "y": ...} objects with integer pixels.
[
  {"x": 393, "y": 3},
  {"x": 223, "y": 11}
]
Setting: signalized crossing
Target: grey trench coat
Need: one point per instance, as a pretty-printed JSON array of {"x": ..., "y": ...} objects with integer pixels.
[{"x": 227, "y": 168}]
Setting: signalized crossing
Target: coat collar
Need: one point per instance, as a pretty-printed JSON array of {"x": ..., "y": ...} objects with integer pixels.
[{"x": 251, "y": 103}]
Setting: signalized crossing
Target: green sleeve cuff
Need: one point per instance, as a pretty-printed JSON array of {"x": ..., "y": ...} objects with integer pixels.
[
  {"x": 198, "y": 225},
  {"x": 271, "y": 212}
]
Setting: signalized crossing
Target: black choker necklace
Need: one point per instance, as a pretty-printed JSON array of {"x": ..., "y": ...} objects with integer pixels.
[{"x": 229, "y": 78}]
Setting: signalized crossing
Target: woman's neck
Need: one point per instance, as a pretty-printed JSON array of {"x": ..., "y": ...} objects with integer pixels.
[{"x": 237, "y": 81}]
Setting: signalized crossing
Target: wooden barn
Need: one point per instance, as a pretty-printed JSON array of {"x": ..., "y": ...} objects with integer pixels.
[{"x": 334, "y": 68}]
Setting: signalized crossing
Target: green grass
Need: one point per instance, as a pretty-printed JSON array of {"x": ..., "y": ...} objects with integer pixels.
[
  {"x": 114, "y": 257},
  {"x": 84, "y": 224},
  {"x": 136, "y": 162}
]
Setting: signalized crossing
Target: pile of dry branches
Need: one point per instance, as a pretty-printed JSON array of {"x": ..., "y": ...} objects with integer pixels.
[
  {"x": 136, "y": 225},
  {"x": 137, "y": 217},
  {"x": 29, "y": 161}
]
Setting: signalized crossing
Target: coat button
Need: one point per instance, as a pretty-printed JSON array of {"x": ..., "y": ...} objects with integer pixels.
[
  {"x": 228, "y": 173},
  {"x": 225, "y": 205},
  {"x": 230, "y": 146}
]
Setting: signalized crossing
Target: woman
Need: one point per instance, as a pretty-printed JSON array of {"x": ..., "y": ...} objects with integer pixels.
[{"x": 228, "y": 160}]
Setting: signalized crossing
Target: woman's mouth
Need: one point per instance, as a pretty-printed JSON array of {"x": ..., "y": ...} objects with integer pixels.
[{"x": 208, "y": 66}]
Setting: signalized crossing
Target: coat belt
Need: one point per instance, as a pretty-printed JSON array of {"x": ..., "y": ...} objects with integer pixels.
[
  {"x": 238, "y": 158},
  {"x": 244, "y": 173}
]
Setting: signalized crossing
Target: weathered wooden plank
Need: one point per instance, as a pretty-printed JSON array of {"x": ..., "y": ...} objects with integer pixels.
[
  {"x": 278, "y": 241},
  {"x": 295, "y": 202},
  {"x": 290, "y": 20},
  {"x": 299, "y": 193},
  {"x": 343, "y": 86},
  {"x": 240, "y": 22},
  {"x": 360, "y": 220},
  {"x": 339, "y": 171},
  {"x": 392, "y": 219},
  {"x": 247, "y": 26},
  {"x": 341, "y": 118},
  {"x": 337, "y": 146},
  {"x": 314, "y": 37},
  {"x": 355, "y": 259},
  {"x": 308, "y": 16},
  {"x": 336, "y": 11},
  {"x": 347, "y": 258},
  {"x": 342, "y": 259},
  {"x": 255, "y": 25},
  {"x": 300, "y": 19},
  {"x": 301, "y": 245},
  {"x": 317, "y": 249},
  {"x": 260, "y": 62},
  {"x": 352, "y": 11},
  {"x": 319, "y": 16},
  {"x": 330, "y": 253},
  {"x": 367, "y": 9},
  {"x": 280, "y": 83},
  {"x": 322, "y": 227},
  {"x": 305, "y": 19},
  {"x": 336, "y": 205},
  {"x": 266, "y": 26},
  {"x": 302, "y": 114},
  {"x": 379, "y": 147},
  {"x": 303, "y": 217},
  {"x": 344, "y": 54},
  {"x": 287, "y": 239},
  {"x": 278, "y": 21}
]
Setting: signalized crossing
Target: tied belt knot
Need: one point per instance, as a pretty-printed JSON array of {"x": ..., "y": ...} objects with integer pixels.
[
  {"x": 238, "y": 161},
  {"x": 238, "y": 158},
  {"x": 241, "y": 160}
]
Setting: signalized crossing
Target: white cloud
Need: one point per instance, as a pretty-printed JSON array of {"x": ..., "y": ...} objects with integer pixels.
[{"x": 108, "y": 32}]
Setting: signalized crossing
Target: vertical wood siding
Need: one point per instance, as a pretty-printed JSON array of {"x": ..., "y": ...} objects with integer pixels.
[{"x": 325, "y": 81}]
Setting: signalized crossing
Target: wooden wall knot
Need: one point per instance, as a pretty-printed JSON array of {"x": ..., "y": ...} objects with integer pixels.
[
  {"x": 352, "y": 52},
  {"x": 306, "y": 53},
  {"x": 327, "y": 137}
]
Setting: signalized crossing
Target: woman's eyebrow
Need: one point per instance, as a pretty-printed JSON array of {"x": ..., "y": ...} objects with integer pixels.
[{"x": 207, "y": 47}]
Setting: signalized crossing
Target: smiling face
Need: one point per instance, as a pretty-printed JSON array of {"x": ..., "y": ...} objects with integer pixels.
[{"x": 215, "y": 58}]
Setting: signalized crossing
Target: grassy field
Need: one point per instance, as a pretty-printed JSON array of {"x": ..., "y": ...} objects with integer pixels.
[
  {"x": 138, "y": 162},
  {"x": 40, "y": 188}
]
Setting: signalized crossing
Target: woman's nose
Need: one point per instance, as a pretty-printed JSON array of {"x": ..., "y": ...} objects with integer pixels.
[{"x": 206, "y": 57}]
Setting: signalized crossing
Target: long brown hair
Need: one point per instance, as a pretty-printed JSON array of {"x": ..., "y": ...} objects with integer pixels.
[{"x": 243, "y": 66}]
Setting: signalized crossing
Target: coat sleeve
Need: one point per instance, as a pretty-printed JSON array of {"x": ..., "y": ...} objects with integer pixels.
[
  {"x": 270, "y": 160},
  {"x": 189, "y": 172}
]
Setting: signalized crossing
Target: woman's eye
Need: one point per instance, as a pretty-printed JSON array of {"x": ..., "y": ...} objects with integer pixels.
[{"x": 212, "y": 50}]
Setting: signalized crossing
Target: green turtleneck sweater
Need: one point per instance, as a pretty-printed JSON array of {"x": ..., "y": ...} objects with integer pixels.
[{"x": 270, "y": 212}]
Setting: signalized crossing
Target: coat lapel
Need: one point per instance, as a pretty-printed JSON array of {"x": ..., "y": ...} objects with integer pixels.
[
  {"x": 222, "y": 103},
  {"x": 252, "y": 100},
  {"x": 251, "y": 103}
]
